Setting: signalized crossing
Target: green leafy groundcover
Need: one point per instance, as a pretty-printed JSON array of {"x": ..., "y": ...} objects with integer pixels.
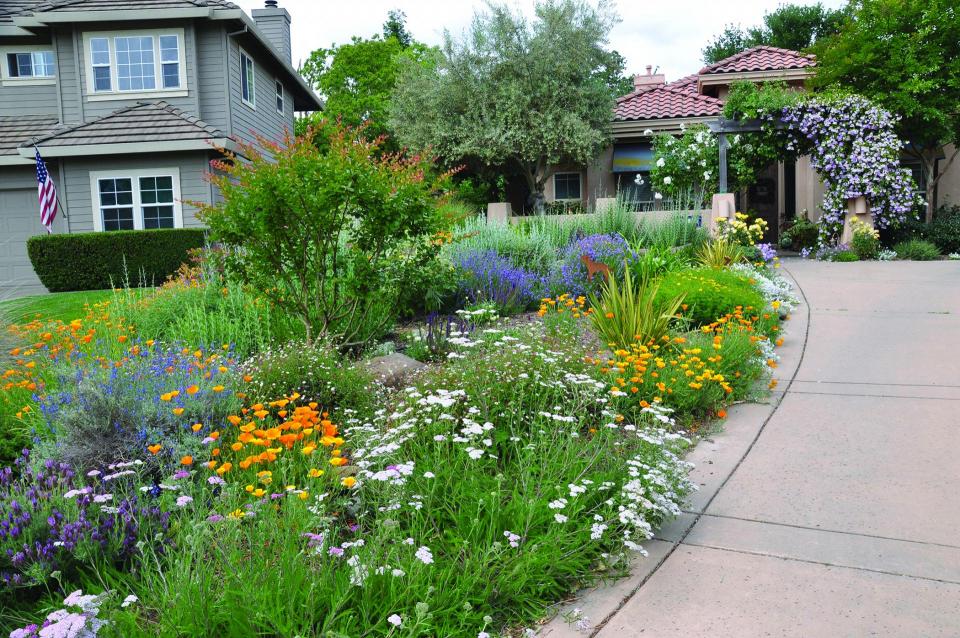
[
  {"x": 94, "y": 261},
  {"x": 710, "y": 293}
]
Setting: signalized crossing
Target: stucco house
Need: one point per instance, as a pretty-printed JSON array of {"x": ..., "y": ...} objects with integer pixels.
[
  {"x": 656, "y": 106},
  {"x": 126, "y": 101}
]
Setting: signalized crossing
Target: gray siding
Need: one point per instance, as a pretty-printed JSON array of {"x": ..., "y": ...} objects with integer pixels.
[
  {"x": 193, "y": 187},
  {"x": 35, "y": 100},
  {"x": 68, "y": 76},
  {"x": 212, "y": 56},
  {"x": 265, "y": 119}
]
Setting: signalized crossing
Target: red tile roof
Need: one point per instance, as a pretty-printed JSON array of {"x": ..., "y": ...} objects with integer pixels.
[
  {"x": 761, "y": 58},
  {"x": 669, "y": 101}
]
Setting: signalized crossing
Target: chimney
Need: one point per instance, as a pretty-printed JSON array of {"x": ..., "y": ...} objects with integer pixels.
[
  {"x": 274, "y": 22},
  {"x": 648, "y": 81}
]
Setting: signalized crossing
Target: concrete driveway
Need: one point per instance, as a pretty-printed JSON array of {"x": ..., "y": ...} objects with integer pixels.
[{"x": 834, "y": 510}]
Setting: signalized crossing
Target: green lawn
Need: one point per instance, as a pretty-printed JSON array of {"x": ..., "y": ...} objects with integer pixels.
[{"x": 59, "y": 305}]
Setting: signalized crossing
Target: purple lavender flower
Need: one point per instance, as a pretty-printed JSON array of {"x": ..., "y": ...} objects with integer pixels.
[{"x": 489, "y": 277}]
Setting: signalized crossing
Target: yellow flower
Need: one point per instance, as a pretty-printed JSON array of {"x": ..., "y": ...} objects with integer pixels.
[
  {"x": 178, "y": 411},
  {"x": 315, "y": 473},
  {"x": 348, "y": 481}
]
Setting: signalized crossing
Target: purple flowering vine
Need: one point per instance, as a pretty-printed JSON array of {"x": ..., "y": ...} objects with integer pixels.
[{"x": 855, "y": 150}]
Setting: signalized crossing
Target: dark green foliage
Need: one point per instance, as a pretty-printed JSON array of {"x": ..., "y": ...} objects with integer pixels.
[
  {"x": 917, "y": 250},
  {"x": 903, "y": 56},
  {"x": 945, "y": 229},
  {"x": 710, "y": 294},
  {"x": 845, "y": 256},
  {"x": 94, "y": 261},
  {"x": 799, "y": 234},
  {"x": 790, "y": 26}
]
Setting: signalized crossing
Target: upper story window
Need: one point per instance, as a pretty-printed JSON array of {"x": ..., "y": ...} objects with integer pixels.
[
  {"x": 566, "y": 186},
  {"x": 135, "y": 62},
  {"x": 247, "y": 80},
  {"x": 279, "y": 97},
  {"x": 27, "y": 65}
]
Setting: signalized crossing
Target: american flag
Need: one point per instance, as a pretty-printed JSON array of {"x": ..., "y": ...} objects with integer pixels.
[{"x": 48, "y": 195}]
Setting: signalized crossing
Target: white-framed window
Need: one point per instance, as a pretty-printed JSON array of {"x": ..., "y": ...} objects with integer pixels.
[
  {"x": 133, "y": 63},
  {"x": 566, "y": 186},
  {"x": 136, "y": 200},
  {"x": 280, "y": 105},
  {"x": 27, "y": 65},
  {"x": 248, "y": 80}
]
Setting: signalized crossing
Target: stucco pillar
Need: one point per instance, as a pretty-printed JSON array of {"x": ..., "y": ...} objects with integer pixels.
[
  {"x": 724, "y": 207},
  {"x": 856, "y": 209},
  {"x": 499, "y": 212}
]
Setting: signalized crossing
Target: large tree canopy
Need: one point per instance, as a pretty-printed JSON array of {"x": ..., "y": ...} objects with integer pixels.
[
  {"x": 790, "y": 26},
  {"x": 905, "y": 56},
  {"x": 357, "y": 79},
  {"x": 529, "y": 94}
]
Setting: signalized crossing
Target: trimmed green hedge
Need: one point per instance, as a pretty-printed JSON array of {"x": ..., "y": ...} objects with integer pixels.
[{"x": 94, "y": 261}]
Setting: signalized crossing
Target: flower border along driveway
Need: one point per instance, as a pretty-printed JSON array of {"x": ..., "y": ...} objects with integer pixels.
[{"x": 823, "y": 511}]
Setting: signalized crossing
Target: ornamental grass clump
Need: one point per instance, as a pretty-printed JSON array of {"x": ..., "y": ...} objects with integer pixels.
[
  {"x": 917, "y": 250},
  {"x": 626, "y": 312},
  {"x": 720, "y": 253}
]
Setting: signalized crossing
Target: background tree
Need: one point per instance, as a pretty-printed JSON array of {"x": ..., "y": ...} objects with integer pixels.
[
  {"x": 790, "y": 26},
  {"x": 357, "y": 79},
  {"x": 515, "y": 92},
  {"x": 396, "y": 27},
  {"x": 904, "y": 56}
]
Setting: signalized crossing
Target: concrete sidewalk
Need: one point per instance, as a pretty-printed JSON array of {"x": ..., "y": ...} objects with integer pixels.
[{"x": 835, "y": 509}]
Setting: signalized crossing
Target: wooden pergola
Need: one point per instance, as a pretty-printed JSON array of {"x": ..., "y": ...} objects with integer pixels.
[{"x": 723, "y": 127}]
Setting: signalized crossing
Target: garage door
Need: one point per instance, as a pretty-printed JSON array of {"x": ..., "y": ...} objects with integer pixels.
[{"x": 19, "y": 220}]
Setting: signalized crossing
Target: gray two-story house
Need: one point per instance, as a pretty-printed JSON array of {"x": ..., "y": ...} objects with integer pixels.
[{"x": 126, "y": 101}]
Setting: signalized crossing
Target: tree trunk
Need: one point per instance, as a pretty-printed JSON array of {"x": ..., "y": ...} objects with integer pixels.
[
  {"x": 536, "y": 181},
  {"x": 930, "y": 170}
]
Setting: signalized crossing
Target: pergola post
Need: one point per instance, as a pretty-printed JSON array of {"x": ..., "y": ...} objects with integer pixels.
[{"x": 724, "y": 145}]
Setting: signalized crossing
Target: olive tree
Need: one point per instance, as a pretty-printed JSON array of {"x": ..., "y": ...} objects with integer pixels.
[{"x": 512, "y": 92}]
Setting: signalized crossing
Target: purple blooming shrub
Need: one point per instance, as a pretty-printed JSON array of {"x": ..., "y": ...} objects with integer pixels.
[
  {"x": 767, "y": 252},
  {"x": 853, "y": 146},
  {"x": 571, "y": 275},
  {"x": 50, "y": 522},
  {"x": 486, "y": 276}
]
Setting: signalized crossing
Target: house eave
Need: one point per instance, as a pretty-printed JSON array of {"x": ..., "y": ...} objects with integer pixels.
[
  {"x": 632, "y": 129},
  {"x": 14, "y": 31},
  {"x": 45, "y": 18},
  {"x": 128, "y": 148},
  {"x": 721, "y": 79},
  {"x": 14, "y": 160}
]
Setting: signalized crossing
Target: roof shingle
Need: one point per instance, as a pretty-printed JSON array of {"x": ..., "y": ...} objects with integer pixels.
[
  {"x": 143, "y": 122},
  {"x": 667, "y": 101},
  {"x": 19, "y": 130},
  {"x": 761, "y": 58}
]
